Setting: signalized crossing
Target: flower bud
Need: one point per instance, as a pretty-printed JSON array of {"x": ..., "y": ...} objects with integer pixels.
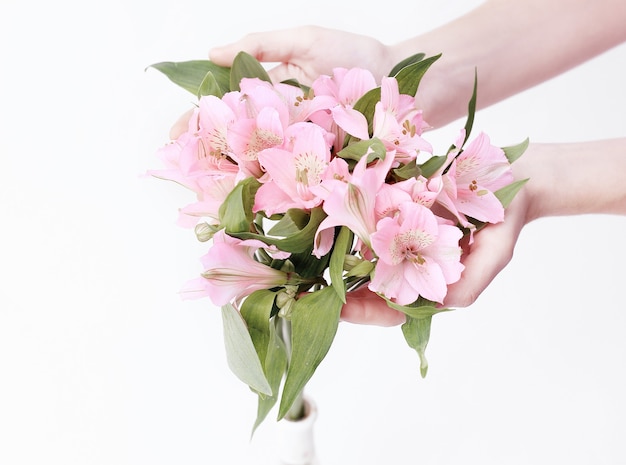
[
  {"x": 350, "y": 261},
  {"x": 285, "y": 311},
  {"x": 361, "y": 269},
  {"x": 205, "y": 231}
]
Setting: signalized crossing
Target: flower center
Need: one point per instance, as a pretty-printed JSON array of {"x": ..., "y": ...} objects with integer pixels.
[
  {"x": 309, "y": 169},
  {"x": 409, "y": 246}
]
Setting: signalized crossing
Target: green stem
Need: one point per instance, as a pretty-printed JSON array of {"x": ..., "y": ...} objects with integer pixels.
[{"x": 297, "y": 410}]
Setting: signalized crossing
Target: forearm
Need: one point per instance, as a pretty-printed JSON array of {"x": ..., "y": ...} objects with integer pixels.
[
  {"x": 513, "y": 45},
  {"x": 574, "y": 178}
]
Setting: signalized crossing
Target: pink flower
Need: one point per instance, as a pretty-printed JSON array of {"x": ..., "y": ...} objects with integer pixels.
[
  {"x": 343, "y": 89},
  {"x": 473, "y": 177},
  {"x": 231, "y": 272},
  {"x": 213, "y": 191},
  {"x": 293, "y": 170},
  {"x": 248, "y": 137},
  {"x": 398, "y": 122},
  {"x": 351, "y": 202},
  {"x": 200, "y": 151},
  {"x": 418, "y": 255}
]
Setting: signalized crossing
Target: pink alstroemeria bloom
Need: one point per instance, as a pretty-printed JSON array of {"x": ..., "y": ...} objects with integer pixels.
[
  {"x": 231, "y": 272},
  {"x": 416, "y": 190},
  {"x": 248, "y": 137},
  {"x": 473, "y": 177},
  {"x": 213, "y": 193},
  {"x": 351, "y": 202},
  {"x": 418, "y": 255},
  {"x": 344, "y": 88},
  {"x": 197, "y": 152},
  {"x": 399, "y": 123},
  {"x": 293, "y": 170},
  {"x": 300, "y": 105}
]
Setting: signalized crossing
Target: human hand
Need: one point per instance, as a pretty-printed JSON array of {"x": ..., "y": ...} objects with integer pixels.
[
  {"x": 304, "y": 53},
  {"x": 490, "y": 252}
]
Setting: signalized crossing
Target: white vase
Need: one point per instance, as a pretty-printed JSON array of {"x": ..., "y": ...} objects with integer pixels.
[{"x": 296, "y": 441}]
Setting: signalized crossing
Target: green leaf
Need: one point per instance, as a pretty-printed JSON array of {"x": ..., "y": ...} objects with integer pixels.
[
  {"x": 236, "y": 210},
  {"x": 246, "y": 66},
  {"x": 422, "y": 308},
  {"x": 256, "y": 311},
  {"x": 295, "y": 243},
  {"x": 373, "y": 148},
  {"x": 292, "y": 222},
  {"x": 240, "y": 353},
  {"x": 209, "y": 86},
  {"x": 406, "y": 62},
  {"x": 430, "y": 166},
  {"x": 314, "y": 323},
  {"x": 410, "y": 76},
  {"x": 408, "y": 170},
  {"x": 417, "y": 333},
  {"x": 471, "y": 110},
  {"x": 506, "y": 194},
  {"x": 190, "y": 74},
  {"x": 275, "y": 367},
  {"x": 342, "y": 246},
  {"x": 366, "y": 105},
  {"x": 513, "y": 152}
]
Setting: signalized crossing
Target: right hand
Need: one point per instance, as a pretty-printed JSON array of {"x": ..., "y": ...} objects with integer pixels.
[{"x": 305, "y": 52}]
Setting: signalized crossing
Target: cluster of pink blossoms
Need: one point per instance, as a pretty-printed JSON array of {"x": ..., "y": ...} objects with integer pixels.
[{"x": 289, "y": 141}]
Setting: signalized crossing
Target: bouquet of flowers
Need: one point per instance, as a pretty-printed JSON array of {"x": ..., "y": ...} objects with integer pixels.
[{"x": 307, "y": 193}]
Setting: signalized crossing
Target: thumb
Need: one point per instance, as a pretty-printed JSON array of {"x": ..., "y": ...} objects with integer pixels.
[{"x": 490, "y": 252}]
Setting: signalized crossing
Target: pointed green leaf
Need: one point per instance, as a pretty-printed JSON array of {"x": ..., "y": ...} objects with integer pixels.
[
  {"x": 343, "y": 244},
  {"x": 256, "y": 311},
  {"x": 408, "y": 170},
  {"x": 292, "y": 222},
  {"x": 240, "y": 353},
  {"x": 314, "y": 323},
  {"x": 236, "y": 210},
  {"x": 295, "y": 83},
  {"x": 513, "y": 152},
  {"x": 422, "y": 308},
  {"x": 366, "y": 105},
  {"x": 410, "y": 76},
  {"x": 506, "y": 194},
  {"x": 430, "y": 166},
  {"x": 297, "y": 242},
  {"x": 246, "y": 66},
  {"x": 417, "y": 333},
  {"x": 373, "y": 148},
  {"x": 275, "y": 367},
  {"x": 406, "y": 62},
  {"x": 209, "y": 86},
  {"x": 471, "y": 110},
  {"x": 308, "y": 266},
  {"x": 190, "y": 74}
]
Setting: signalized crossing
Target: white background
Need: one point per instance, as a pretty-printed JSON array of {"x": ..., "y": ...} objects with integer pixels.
[{"x": 102, "y": 363}]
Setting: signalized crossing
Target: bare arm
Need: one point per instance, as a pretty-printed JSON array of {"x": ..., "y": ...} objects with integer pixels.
[
  {"x": 513, "y": 45},
  {"x": 565, "y": 179}
]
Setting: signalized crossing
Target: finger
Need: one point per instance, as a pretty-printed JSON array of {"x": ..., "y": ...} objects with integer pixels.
[
  {"x": 181, "y": 125},
  {"x": 274, "y": 46},
  {"x": 287, "y": 71},
  {"x": 489, "y": 254},
  {"x": 364, "y": 307}
]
